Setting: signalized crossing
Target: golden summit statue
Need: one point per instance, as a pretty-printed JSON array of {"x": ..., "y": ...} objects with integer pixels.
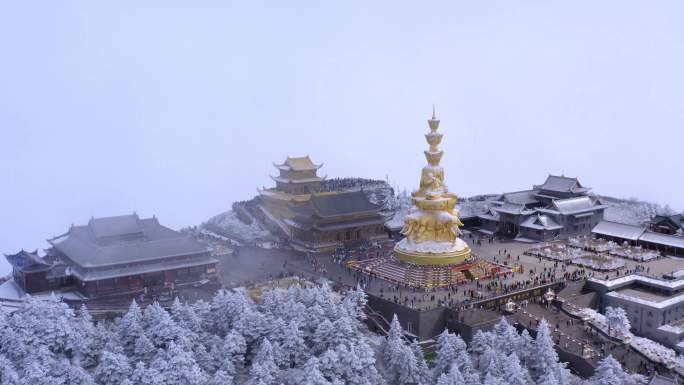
[{"x": 431, "y": 228}]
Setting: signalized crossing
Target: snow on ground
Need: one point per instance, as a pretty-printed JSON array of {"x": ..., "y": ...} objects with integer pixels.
[{"x": 231, "y": 225}]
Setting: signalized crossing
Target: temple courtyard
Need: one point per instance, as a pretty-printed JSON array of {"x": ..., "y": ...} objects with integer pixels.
[{"x": 249, "y": 265}]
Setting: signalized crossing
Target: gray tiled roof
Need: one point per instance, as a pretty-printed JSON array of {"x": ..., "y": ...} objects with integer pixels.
[
  {"x": 513, "y": 208},
  {"x": 120, "y": 245},
  {"x": 618, "y": 230},
  {"x": 491, "y": 215},
  {"x": 562, "y": 184},
  {"x": 122, "y": 225},
  {"x": 663, "y": 239},
  {"x": 377, "y": 220},
  {"x": 345, "y": 203},
  {"x": 27, "y": 261},
  {"x": 541, "y": 222},
  {"x": 303, "y": 163},
  {"x": 676, "y": 220},
  {"x": 525, "y": 197},
  {"x": 575, "y": 205}
]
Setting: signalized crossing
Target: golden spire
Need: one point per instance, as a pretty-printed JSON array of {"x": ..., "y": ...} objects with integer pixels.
[{"x": 432, "y": 226}]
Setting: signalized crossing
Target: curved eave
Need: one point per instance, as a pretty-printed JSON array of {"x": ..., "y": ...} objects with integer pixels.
[
  {"x": 283, "y": 167},
  {"x": 367, "y": 212},
  {"x": 296, "y": 181}
]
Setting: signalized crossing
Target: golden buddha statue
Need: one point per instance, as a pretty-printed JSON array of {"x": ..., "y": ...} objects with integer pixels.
[{"x": 431, "y": 228}]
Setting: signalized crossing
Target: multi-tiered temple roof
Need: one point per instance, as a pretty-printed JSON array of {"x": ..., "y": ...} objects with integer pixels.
[
  {"x": 303, "y": 163},
  {"x": 124, "y": 245},
  {"x": 297, "y": 171}
]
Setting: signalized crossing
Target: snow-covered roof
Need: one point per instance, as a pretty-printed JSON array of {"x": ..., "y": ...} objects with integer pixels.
[
  {"x": 647, "y": 302},
  {"x": 634, "y": 233},
  {"x": 491, "y": 215},
  {"x": 524, "y": 197},
  {"x": 576, "y": 205},
  {"x": 677, "y": 274},
  {"x": 671, "y": 221},
  {"x": 562, "y": 184},
  {"x": 302, "y": 163},
  {"x": 541, "y": 222},
  {"x": 634, "y": 278},
  {"x": 343, "y": 203},
  {"x": 10, "y": 291},
  {"x": 513, "y": 208},
  {"x": 116, "y": 226},
  {"x": 619, "y": 230},
  {"x": 27, "y": 261},
  {"x": 676, "y": 329},
  {"x": 119, "y": 245},
  {"x": 663, "y": 239}
]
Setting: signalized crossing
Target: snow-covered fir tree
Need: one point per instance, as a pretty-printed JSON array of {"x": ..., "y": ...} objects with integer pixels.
[
  {"x": 312, "y": 373},
  {"x": 617, "y": 319},
  {"x": 609, "y": 372},
  {"x": 112, "y": 369},
  {"x": 264, "y": 369},
  {"x": 293, "y": 336},
  {"x": 452, "y": 376}
]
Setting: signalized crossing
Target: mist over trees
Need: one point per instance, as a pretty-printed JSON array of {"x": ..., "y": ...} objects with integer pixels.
[{"x": 310, "y": 336}]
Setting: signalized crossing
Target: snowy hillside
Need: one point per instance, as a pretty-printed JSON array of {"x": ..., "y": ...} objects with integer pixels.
[
  {"x": 632, "y": 211},
  {"x": 229, "y": 224}
]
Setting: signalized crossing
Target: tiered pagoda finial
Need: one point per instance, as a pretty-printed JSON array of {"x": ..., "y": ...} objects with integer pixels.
[{"x": 432, "y": 226}]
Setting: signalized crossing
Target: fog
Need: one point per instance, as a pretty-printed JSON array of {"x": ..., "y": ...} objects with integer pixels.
[{"x": 179, "y": 108}]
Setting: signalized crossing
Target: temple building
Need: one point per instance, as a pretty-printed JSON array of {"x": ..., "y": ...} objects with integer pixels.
[
  {"x": 640, "y": 235},
  {"x": 314, "y": 219},
  {"x": 296, "y": 181},
  {"x": 115, "y": 256},
  {"x": 34, "y": 274},
  {"x": 559, "y": 208},
  {"x": 667, "y": 224},
  {"x": 431, "y": 228},
  {"x": 653, "y": 305},
  {"x": 328, "y": 220}
]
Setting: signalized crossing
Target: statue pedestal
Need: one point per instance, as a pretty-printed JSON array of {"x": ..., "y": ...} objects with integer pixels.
[{"x": 432, "y": 253}]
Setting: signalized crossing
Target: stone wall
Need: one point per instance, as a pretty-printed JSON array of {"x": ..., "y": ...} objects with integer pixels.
[{"x": 424, "y": 324}]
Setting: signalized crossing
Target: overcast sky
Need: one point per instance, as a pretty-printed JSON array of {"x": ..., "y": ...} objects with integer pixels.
[{"x": 180, "y": 108}]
